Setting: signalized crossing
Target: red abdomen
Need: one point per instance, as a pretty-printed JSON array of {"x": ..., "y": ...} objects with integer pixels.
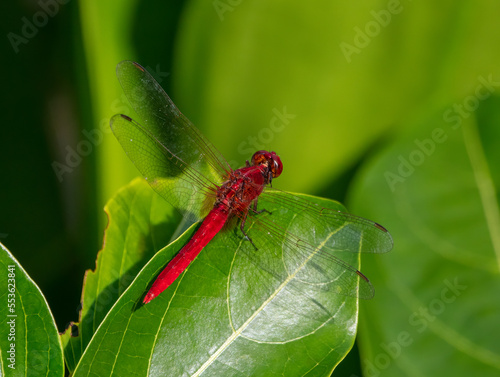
[{"x": 212, "y": 224}]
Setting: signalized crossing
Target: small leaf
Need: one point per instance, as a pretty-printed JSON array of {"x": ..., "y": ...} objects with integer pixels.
[
  {"x": 29, "y": 341},
  {"x": 436, "y": 189},
  {"x": 224, "y": 316},
  {"x": 140, "y": 223}
]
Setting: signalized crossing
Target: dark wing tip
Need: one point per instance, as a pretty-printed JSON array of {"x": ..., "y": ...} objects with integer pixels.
[
  {"x": 381, "y": 227},
  {"x": 360, "y": 274},
  {"x": 116, "y": 117},
  {"x": 388, "y": 242},
  {"x": 139, "y": 66},
  {"x": 128, "y": 65}
]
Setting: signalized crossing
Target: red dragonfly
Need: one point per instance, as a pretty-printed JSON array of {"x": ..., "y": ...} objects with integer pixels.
[{"x": 189, "y": 172}]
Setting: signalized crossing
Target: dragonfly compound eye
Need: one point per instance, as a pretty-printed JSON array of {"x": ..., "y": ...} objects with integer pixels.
[
  {"x": 259, "y": 157},
  {"x": 276, "y": 166},
  {"x": 271, "y": 159}
]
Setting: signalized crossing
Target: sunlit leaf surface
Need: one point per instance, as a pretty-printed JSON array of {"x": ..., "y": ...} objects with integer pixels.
[
  {"x": 29, "y": 341},
  {"x": 224, "y": 316}
]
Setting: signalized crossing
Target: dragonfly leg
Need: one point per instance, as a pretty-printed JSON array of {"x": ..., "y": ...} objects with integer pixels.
[
  {"x": 261, "y": 211},
  {"x": 242, "y": 228}
]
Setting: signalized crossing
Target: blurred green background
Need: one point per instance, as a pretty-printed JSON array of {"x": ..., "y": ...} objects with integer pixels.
[{"x": 347, "y": 94}]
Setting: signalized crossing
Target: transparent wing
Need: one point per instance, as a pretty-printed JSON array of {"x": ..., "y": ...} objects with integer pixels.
[
  {"x": 185, "y": 168},
  {"x": 323, "y": 253},
  {"x": 351, "y": 233},
  {"x": 174, "y": 157}
]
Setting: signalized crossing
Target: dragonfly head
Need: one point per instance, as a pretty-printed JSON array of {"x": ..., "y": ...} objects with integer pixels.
[{"x": 269, "y": 159}]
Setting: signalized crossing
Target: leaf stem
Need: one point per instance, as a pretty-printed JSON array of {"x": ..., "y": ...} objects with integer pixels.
[{"x": 484, "y": 182}]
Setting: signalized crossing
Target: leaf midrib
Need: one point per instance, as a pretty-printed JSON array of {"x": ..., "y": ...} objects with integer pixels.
[
  {"x": 237, "y": 333},
  {"x": 445, "y": 332}
]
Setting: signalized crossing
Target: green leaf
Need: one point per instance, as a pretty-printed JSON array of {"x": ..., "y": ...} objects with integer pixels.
[
  {"x": 223, "y": 316},
  {"x": 140, "y": 223},
  {"x": 29, "y": 341},
  {"x": 103, "y": 30},
  {"x": 436, "y": 189}
]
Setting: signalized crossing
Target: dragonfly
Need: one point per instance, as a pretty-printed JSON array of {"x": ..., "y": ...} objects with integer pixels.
[{"x": 181, "y": 165}]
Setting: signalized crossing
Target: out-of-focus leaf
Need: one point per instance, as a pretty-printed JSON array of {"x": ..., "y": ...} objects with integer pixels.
[
  {"x": 436, "y": 189},
  {"x": 224, "y": 316},
  {"x": 105, "y": 28},
  {"x": 277, "y": 70},
  {"x": 140, "y": 223},
  {"x": 29, "y": 341}
]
